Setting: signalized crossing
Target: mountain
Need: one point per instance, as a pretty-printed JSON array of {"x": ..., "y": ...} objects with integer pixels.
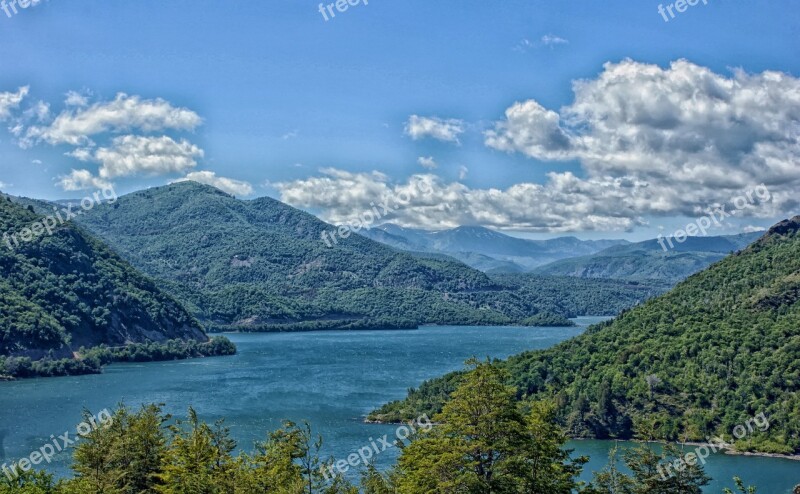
[
  {"x": 647, "y": 260},
  {"x": 66, "y": 290},
  {"x": 717, "y": 350},
  {"x": 485, "y": 249},
  {"x": 263, "y": 265}
]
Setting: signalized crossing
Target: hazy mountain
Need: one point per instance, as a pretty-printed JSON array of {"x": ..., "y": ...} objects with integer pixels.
[
  {"x": 486, "y": 249},
  {"x": 648, "y": 260},
  {"x": 724, "y": 340}
]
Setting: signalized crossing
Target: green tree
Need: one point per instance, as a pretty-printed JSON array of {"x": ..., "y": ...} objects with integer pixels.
[{"x": 486, "y": 445}]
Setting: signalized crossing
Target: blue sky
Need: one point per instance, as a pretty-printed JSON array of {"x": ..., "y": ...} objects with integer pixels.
[{"x": 306, "y": 110}]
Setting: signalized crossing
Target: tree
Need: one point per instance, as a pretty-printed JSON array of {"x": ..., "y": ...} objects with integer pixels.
[
  {"x": 199, "y": 459},
  {"x": 741, "y": 489},
  {"x": 649, "y": 475},
  {"x": 486, "y": 445}
]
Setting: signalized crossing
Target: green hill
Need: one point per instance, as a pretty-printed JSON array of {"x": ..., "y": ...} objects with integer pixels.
[
  {"x": 261, "y": 265},
  {"x": 65, "y": 291},
  {"x": 720, "y": 348}
]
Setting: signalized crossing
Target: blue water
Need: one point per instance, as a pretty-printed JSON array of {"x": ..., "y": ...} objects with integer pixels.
[{"x": 332, "y": 379}]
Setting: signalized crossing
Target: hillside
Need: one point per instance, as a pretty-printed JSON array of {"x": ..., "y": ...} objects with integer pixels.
[
  {"x": 488, "y": 250},
  {"x": 261, "y": 265},
  {"x": 65, "y": 291},
  {"x": 645, "y": 261},
  {"x": 721, "y": 347}
]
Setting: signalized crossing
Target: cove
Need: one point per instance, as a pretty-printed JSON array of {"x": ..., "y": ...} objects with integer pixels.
[{"x": 332, "y": 379}]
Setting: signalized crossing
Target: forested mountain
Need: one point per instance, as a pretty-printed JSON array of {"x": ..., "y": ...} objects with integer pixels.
[
  {"x": 262, "y": 265},
  {"x": 66, "y": 290},
  {"x": 718, "y": 349},
  {"x": 648, "y": 260},
  {"x": 486, "y": 249}
]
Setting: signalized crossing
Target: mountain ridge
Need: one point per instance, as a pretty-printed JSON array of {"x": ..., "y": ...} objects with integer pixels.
[{"x": 719, "y": 348}]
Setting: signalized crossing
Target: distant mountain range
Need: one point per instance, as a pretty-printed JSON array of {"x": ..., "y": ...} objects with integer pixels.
[
  {"x": 494, "y": 252},
  {"x": 488, "y": 250},
  {"x": 720, "y": 348},
  {"x": 647, "y": 260}
]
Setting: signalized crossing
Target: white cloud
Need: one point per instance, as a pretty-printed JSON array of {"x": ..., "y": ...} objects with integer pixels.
[
  {"x": 39, "y": 112},
  {"x": 82, "y": 180},
  {"x": 551, "y": 39},
  {"x": 524, "y": 45},
  {"x": 290, "y": 135},
  {"x": 131, "y": 155},
  {"x": 427, "y": 162},
  {"x": 563, "y": 204},
  {"x": 446, "y": 130},
  {"x": 4, "y": 185},
  {"x": 75, "y": 98},
  {"x": 753, "y": 229},
  {"x": 124, "y": 113},
  {"x": 10, "y": 101},
  {"x": 688, "y": 136},
  {"x": 463, "y": 171},
  {"x": 229, "y": 185}
]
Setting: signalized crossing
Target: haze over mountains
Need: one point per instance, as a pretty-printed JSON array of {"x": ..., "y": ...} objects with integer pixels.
[
  {"x": 648, "y": 261},
  {"x": 486, "y": 249},
  {"x": 719, "y": 348},
  {"x": 495, "y": 252}
]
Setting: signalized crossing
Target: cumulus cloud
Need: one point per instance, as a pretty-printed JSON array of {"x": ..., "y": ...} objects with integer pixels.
[
  {"x": 690, "y": 136},
  {"x": 446, "y": 130},
  {"x": 131, "y": 155},
  {"x": 82, "y": 180},
  {"x": 427, "y": 162},
  {"x": 75, "y": 98},
  {"x": 564, "y": 203},
  {"x": 125, "y": 113},
  {"x": 229, "y": 185},
  {"x": 10, "y": 101}
]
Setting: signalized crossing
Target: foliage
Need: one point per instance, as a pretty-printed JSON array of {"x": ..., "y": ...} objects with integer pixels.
[
  {"x": 719, "y": 349},
  {"x": 67, "y": 290},
  {"x": 261, "y": 265}
]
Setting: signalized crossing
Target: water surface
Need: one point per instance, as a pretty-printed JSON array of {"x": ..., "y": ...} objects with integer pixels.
[{"x": 332, "y": 379}]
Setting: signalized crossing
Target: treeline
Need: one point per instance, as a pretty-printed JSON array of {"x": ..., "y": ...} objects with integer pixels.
[
  {"x": 718, "y": 349},
  {"x": 91, "y": 361},
  {"x": 261, "y": 266},
  {"x": 483, "y": 442}
]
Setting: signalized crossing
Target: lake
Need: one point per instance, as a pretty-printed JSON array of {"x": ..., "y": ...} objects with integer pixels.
[{"x": 332, "y": 379}]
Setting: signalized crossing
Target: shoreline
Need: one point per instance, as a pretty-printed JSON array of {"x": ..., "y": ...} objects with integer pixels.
[{"x": 726, "y": 451}]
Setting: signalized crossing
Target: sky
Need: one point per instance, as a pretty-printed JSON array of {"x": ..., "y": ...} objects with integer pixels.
[{"x": 536, "y": 118}]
